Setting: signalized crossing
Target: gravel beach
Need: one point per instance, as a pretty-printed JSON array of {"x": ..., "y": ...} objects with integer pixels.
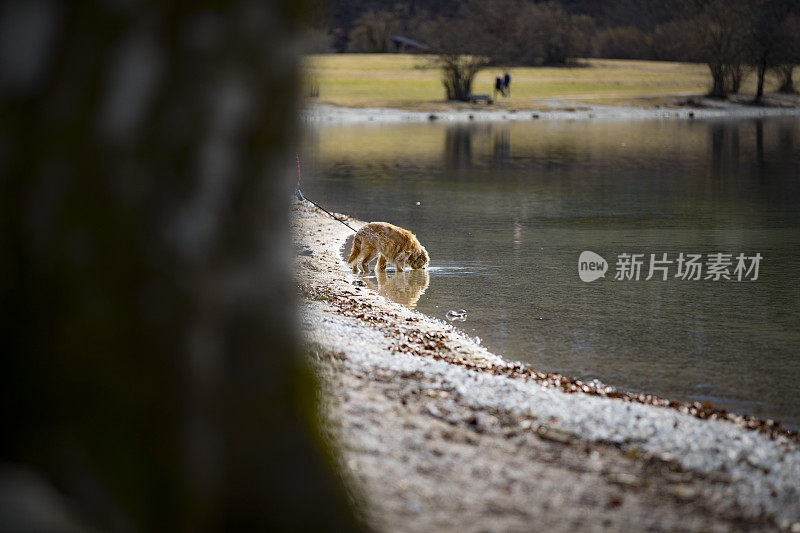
[
  {"x": 692, "y": 108},
  {"x": 435, "y": 433}
]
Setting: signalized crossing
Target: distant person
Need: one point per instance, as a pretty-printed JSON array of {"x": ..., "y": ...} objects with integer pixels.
[
  {"x": 506, "y": 85},
  {"x": 498, "y": 86}
]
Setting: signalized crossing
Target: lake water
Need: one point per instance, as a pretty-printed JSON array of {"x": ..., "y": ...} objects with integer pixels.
[{"x": 506, "y": 209}]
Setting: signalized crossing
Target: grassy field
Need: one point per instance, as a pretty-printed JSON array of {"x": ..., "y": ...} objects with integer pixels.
[{"x": 414, "y": 82}]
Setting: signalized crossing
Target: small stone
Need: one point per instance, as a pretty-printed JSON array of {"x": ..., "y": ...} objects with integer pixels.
[
  {"x": 556, "y": 435},
  {"x": 624, "y": 479},
  {"x": 683, "y": 491}
]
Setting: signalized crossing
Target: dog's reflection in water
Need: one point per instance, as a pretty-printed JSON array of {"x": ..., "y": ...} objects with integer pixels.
[{"x": 404, "y": 287}]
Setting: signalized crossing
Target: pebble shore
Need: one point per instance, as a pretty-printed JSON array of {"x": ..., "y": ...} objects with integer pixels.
[
  {"x": 696, "y": 108},
  {"x": 436, "y": 433}
]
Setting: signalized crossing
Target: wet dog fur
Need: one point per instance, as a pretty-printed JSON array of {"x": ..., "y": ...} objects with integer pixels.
[{"x": 390, "y": 244}]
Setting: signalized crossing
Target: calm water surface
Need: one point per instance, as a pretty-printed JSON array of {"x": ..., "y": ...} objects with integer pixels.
[{"x": 506, "y": 209}]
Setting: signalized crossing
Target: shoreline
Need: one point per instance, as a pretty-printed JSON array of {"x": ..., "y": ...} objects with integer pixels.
[
  {"x": 693, "y": 108},
  {"x": 370, "y": 348}
]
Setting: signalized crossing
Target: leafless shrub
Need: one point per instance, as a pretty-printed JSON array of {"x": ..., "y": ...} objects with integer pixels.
[{"x": 718, "y": 32}]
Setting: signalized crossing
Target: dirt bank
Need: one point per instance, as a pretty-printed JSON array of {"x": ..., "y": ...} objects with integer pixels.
[{"x": 436, "y": 433}]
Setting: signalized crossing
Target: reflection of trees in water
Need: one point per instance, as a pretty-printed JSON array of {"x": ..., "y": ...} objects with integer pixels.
[
  {"x": 724, "y": 150},
  {"x": 776, "y": 153},
  {"x": 786, "y": 140},
  {"x": 459, "y": 140},
  {"x": 501, "y": 146},
  {"x": 781, "y": 165},
  {"x": 458, "y": 147},
  {"x": 764, "y": 149},
  {"x": 760, "y": 143},
  {"x": 783, "y": 150}
]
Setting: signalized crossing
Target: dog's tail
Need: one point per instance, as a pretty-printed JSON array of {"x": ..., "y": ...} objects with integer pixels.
[{"x": 356, "y": 250}]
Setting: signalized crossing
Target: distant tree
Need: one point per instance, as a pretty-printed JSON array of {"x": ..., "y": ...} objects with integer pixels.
[
  {"x": 769, "y": 38},
  {"x": 737, "y": 69},
  {"x": 584, "y": 28},
  {"x": 457, "y": 53},
  {"x": 788, "y": 54},
  {"x": 501, "y": 31},
  {"x": 785, "y": 73},
  {"x": 644, "y": 15},
  {"x": 521, "y": 32},
  {"x": 373, "y": 32},
  {"x": 317, "y": 41},
  {"x": 718, "y": 34},
  {"x": 670, "y": 42},
  {"x": 625, "y": 42},
  {"x": 459, "y": 72},
  {"x": 560, "y": 35},
  {"x": 317, "y": 34}
]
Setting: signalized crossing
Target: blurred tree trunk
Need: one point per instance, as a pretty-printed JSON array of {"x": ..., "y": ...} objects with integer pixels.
[
  {"x": 761, "y": 71},
  {"x": 787, "y": 83},
  {"x": 719, "y": 75},
  {"x": 737, "y": 71},
  {"x": 151, "y": 368}
]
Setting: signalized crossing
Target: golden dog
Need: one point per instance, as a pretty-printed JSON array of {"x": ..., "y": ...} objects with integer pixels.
[{"x": 390, "y": 244}]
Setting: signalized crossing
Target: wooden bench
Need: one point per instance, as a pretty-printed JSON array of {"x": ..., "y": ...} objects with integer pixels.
[{"x": 475, "y": 98}]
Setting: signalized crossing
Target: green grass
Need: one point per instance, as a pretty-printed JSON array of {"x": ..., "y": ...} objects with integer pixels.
[{"x": 414, "y": 82}]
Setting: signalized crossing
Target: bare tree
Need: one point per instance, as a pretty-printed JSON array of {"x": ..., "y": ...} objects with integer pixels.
[
  {"x": 719, "y": 32},
  {"x": 671, "y": 43},
  {"x": 500, "y": 30},
  {"x": 457, "y": 52},
  {"x": 789, "y": 54},
  {"x": 768, "y": 38},
  {"x": 521, "y": 32},
  {"x": 786, "y": 73},
  {"x": 151, "y": 369},
  {"x": 737, "y": 69},
  {"x": 624, "y": 42},
  {"x": 459, "y": 72},
  {"x": 373, "y": 32},
  {"x": 504, "y": 32},
  {"x": 560, "y": 35}
]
